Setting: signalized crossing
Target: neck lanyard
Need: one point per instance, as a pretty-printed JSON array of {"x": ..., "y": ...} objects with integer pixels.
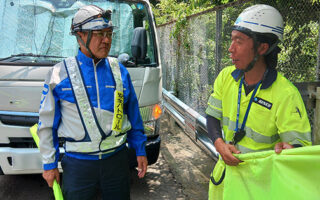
[{"x": 249, "y": 106}]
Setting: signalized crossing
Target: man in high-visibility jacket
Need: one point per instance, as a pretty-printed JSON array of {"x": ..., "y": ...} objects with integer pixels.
[
  {"x": 89, "y": 100},
  {"x": 257, "y": 108}
]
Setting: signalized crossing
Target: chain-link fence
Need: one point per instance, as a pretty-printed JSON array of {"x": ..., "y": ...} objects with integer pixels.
[{"x": 195, "y": 50}]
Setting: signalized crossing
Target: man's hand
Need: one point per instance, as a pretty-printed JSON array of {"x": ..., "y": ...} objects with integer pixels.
[
  {"x": 142, "y": 165},
  {"x": 50, "y": 175},
  {"x": 226, "y": 151},
  {"x": 282, "y": 145}
]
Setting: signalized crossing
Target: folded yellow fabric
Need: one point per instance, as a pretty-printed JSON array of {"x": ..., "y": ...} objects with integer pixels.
[{"x": 293, "y": 174}]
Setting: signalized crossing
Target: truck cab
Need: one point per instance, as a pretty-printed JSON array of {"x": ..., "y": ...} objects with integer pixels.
[{"x": 35, "y": 35}]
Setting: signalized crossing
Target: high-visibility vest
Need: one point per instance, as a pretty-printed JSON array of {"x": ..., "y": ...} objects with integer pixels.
[
  {"x": 276, "y": 114},
  {"x": 117, "y": 123}
]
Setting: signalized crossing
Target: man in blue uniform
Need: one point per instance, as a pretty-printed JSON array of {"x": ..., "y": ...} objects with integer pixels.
[{"x": 89, "y": 100}]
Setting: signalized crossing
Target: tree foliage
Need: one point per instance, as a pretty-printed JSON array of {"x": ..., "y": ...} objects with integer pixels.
[
  {"x": 196, "y": 53},
  {"x": 298, "y": 58},
  {"x": 301, "y": 36},
  {"x": 174, "y": 10}
]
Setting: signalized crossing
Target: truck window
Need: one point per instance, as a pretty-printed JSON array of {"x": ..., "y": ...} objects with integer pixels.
[{"x": 39, "y": 31}]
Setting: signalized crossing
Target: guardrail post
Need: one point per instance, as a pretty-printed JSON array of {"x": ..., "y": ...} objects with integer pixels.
[
  {"x": 193, "y": 123},
  {"x": 171, "y": 123},
  {"x": 190, "y": 120},
  {"x": 316, "y": 121}
]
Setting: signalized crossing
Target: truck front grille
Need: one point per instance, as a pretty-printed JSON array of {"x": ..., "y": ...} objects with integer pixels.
[{"x": 25, "y": 142}]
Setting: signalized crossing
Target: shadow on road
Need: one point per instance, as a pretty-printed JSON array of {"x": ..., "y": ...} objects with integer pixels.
[{"x": 18, "y": 187}]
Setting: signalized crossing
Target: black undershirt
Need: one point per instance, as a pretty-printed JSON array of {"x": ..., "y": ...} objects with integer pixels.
[
  {"x": 214, "y": 128},
  {"x": 248, "y": 88}
]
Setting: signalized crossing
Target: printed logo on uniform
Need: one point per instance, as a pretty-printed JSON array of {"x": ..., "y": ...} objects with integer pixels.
[
  {"x": 263, "y": 102},
  {"x": 298, "y": 111},
  {"x": 44, "y": 94}
]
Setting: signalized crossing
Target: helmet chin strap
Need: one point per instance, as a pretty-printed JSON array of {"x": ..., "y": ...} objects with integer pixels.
[
  {"x": 272, "y": 47},
  {"x": 256, "y": 56},
  {"x": 87, "y": 44},
  {"x": 251, "y": 64}
]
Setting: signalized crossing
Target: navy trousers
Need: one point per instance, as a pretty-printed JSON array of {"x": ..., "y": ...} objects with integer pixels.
[{"x": 82, "y": 179}]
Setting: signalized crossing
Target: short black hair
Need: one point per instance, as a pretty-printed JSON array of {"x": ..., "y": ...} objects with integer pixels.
[{"x": 266, "y": 38}]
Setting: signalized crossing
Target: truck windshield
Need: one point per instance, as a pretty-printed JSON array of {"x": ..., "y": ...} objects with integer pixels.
[{"x": 35, "y": 31}]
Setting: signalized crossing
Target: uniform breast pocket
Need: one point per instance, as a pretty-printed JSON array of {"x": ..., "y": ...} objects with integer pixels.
[
  {"x": 262, "y": 117},
  {"x": 68, "y": 94}
]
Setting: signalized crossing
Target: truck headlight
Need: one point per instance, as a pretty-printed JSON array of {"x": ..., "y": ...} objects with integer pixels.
[
  {"x": 150, "y": 128},
  {"x": 150, "y": 115}
]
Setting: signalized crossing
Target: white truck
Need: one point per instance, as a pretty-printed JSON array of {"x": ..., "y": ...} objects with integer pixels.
[{"x": 35, "y": 36}]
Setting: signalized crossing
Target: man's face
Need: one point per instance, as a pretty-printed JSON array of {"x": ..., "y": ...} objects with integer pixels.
[
  {"x": 241, "y": 49},
  {"x": 100, "y": 43}
]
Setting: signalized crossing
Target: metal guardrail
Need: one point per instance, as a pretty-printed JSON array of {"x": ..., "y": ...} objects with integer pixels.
[
  {"x": 192, "y": 122},
  {"x": 195, "y": 127}
]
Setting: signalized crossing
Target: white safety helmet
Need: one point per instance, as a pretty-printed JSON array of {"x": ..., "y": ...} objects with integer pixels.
[
  {"x": 262, "y": 19},
  {"x": 90, "y": 18}
]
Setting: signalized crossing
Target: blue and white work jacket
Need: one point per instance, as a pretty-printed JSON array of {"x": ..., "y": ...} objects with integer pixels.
[{"x": 59, "y": 115}]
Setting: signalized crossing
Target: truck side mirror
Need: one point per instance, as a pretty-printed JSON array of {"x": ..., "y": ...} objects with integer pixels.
[
  {"x": 124, "y": 59},
  {"x": 139, "y": 44}
]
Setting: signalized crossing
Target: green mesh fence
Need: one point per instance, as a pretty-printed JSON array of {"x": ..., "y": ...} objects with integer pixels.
[{"x": 195, "y": 50}]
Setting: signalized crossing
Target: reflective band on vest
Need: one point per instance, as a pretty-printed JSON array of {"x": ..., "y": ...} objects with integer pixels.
[
  {"x": 115, "y": 136},
  {"x": 118, "y": 96},
  {"x": 82, "y": 98}
]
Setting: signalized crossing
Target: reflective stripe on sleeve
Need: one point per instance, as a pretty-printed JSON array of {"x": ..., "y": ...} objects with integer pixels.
[
  {"x": 214, "y": 108},
  {"x": 293, "y": 137},
  {"x": 214, "y": 102},
  {"x": 214, "y": 112}
]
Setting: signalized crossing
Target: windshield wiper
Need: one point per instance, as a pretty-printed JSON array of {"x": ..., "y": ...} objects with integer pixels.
[{"x": 30, "y": 55}]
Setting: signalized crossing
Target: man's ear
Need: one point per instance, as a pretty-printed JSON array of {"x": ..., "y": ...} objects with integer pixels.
[
  {"x": 83, "y": 38},
  {"x": 81, "y": 35},
  {"x": 263, "y": 48}
]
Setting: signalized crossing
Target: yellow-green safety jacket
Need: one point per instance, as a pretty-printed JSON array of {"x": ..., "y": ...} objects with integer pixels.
[{"x": 276, "y": 114}]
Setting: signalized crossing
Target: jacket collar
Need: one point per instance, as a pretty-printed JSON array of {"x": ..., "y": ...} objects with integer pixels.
[
  {"x": 271, "y": 76},
  {"x": 83, "y": 59}
]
